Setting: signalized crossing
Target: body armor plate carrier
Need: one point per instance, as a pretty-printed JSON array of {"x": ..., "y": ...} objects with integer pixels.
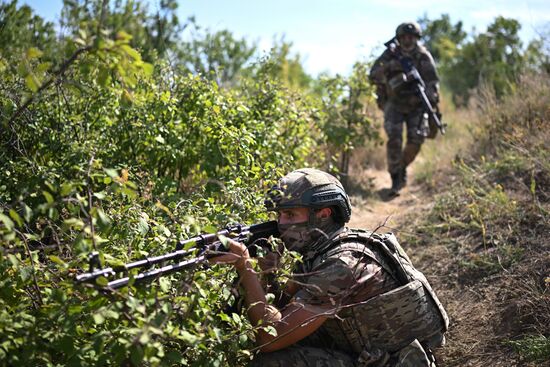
[{"x": 392, "y": 320}]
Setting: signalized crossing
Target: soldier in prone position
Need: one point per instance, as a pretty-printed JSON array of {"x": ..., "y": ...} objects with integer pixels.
[
  {"x": 356, "y": 300},
  {"x": 399, "y": 101}
]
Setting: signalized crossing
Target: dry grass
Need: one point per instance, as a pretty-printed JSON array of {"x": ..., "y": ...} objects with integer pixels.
[{"x": 484, "y": 244}]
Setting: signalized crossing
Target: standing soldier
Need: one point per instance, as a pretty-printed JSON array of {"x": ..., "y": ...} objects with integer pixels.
[{"x": 397, "y": 97}]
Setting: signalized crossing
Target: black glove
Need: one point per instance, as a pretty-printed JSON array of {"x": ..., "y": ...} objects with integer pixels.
[{"x": 381, "y": 97}]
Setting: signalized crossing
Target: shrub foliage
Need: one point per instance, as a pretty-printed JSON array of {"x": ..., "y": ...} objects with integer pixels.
[{"x": 102, "y": 151}]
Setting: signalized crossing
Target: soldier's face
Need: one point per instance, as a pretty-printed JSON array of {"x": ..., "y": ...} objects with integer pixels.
[
  {"x": 407, "y": 41},
  {"x": 293, "y": 215},
  {"x": 300, "y": 215}
]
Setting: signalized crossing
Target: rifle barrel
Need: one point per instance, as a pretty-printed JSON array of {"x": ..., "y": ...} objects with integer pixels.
[
  {"x": 200, "y": 244},
  {"x": 155, "y": 273}
]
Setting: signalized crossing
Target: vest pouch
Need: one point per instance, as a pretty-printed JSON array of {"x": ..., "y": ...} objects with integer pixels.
[
  {"x": 392, "y": 320},
  {"x": 397, "y": 83}
]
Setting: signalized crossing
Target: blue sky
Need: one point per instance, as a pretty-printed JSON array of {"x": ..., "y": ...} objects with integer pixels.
[{"x": 331, "y": 35}]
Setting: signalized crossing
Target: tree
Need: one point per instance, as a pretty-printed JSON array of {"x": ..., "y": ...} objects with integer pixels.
[
  {"x": 287, "y": 67},
  {"x": 153, "y": 33},
  {"x": 346, "y": 118},
  {"x": 441, "y": 37},
  {"x": 537, "y": 53},
  {"x": 20, "y": 29},
  {"x": 494, "y": 57},
  {"x": 219, "y": 55}
]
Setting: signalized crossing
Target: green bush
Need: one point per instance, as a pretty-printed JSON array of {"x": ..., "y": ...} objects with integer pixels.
[{"x": 113, "y": 154}]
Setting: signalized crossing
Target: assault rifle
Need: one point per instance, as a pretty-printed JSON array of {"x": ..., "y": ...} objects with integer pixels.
[
  {"x": 203, "y": 247},
  {"x": 413, "y": 76}
]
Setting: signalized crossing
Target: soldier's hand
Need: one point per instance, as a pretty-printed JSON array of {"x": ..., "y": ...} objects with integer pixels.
[
  {"x": 237, "y": 254},
  {"x": 269, "y": 262}
]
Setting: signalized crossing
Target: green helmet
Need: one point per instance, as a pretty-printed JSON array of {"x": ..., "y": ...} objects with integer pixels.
[
  {"x": 310, "y": 188},
  {"x": 408, "y": 28}
]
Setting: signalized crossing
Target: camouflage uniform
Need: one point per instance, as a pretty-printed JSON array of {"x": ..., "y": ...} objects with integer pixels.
[
  {"x": 337, "y": 278},
  {"x": 400, "y": 103},
  {"x": 376, "y": 304}
]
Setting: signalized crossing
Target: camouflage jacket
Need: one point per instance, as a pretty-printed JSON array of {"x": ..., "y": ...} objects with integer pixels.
[
  {"x": 380, "y": 303},
  {"x": 387, "y": 74}
]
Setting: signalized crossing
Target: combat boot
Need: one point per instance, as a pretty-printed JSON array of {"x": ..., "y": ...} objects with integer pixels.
[
  {"x": 396, "y": 182},
  {"x": 403, "y": 177}
]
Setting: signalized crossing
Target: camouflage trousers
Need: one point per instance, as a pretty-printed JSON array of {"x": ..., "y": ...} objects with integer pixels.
[
  {"x": 397, "y": 157},
  {"x": 412, "y": 355},
  {"x": 299, "y": 356}
]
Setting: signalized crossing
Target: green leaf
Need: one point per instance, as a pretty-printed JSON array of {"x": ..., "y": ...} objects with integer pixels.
[
  {"x": 224, "y": 317},
  {"x": 104, "y": 219},
  {"x": 164, "y": 284},
  {"x": 13, "y": 260},
  {"x": 210, "y": 229},
  {"x": 160, "y": 139},
  {"x": 8, "y": 223},
  {"x": 57, "y": 260},
  {"x": 187, "y": 337},
  {"x": 189, "y": 245},
  {"x": 111, "y": 172},
  {"x": 32, "y": 82},
  {"x": 103, "y": 76},
  {"x": 75, "y": 223},
  {"x": 75, "y": 309},
  {"x": 48, "y": 196},
  {"x": 98, "y": 318},
  {"x": 123, "y": 36},
  {"x": 43, "y": 67},
  {"x": 100, "y": 195},
  {"x": 270, "y": 330},
  {"x": 143, "y": 226},
  {"x": 16, "y": 217},
  {"x": 66, "y": 189},
  {"x": 147, "y": 68},
  {"x": 102, "y": 281},
  {"x": 113, "y": 261},
  {"x": 224, "y": 240},
  {"x": 33, "y": 53},
  {"x": 136, "y": 355},
  {"x": 22, "y": 69},
  {"x": 144, "y": 337},
  {"x": 27, "y": 213},
  {"x": 131, "y": 52},
  {"x": 25, "y": 273}
]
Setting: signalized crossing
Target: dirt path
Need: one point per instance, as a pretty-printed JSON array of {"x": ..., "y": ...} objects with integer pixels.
[
  {"x": 381, "y": 208},
  {"x": 477, "y": 311}
]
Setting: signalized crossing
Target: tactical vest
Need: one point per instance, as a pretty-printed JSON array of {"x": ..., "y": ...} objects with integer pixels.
[{"x": 390, "y": 321}]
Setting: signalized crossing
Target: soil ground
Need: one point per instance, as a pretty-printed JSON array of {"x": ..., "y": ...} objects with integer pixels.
[
  {"x": 474, "y": 309},
  {"x": 383, "y": 210}
]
